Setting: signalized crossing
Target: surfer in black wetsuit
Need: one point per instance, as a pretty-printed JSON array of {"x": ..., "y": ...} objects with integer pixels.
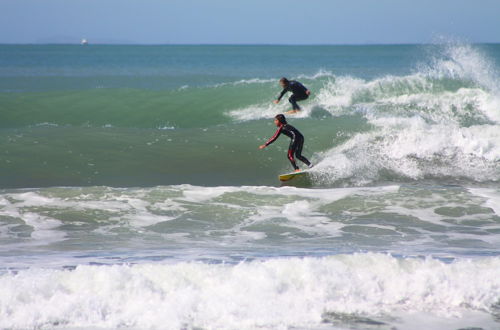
[
  {"x": 299, "y": 93},
  {"x": 296, "y": 144}
]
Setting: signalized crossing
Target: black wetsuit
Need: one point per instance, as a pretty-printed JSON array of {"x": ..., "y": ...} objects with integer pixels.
[
  {"x": 298, "y": 93},
  {"x": 296, "y": 144}
]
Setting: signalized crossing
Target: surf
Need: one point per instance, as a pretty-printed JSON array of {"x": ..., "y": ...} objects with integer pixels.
[{"x": 295, "y": 292}]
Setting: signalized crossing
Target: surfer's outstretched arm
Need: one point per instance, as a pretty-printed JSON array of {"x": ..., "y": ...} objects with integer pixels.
[
  {"x": 281, "y": 95},
  {"x": 273, "y": 138}
]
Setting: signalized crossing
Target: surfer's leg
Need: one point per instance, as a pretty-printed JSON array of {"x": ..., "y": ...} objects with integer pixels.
[
  {"x": 298, "y": 152},
  {"x": 293, "y": 101},
  {"x": 291, "y": 151}
]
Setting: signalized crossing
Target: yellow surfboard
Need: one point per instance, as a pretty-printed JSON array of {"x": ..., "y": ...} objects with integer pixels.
[{"x": 290, "y": 176}]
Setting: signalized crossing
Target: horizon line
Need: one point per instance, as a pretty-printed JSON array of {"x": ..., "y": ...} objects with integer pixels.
[{"x": 233, "y": 44}]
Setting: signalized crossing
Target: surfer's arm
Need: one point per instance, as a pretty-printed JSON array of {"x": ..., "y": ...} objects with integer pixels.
[
  {"x": 281, "y": 95},
  {"x": 275, "y": 136}
]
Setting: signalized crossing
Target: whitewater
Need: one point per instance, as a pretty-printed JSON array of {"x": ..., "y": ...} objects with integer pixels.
[{"x": 133, "y": 194}]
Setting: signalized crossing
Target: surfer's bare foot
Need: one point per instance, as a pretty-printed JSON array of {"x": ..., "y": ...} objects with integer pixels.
[
  {"x": 291, "y": 112},
  {"x": 297, "y": 170}
]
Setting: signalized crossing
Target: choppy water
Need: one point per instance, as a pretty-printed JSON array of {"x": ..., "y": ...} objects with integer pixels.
[{"x": 132, "y": 192}]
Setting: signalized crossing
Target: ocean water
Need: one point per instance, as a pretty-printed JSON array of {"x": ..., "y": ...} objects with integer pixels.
[{"x": 133, "y": 194}]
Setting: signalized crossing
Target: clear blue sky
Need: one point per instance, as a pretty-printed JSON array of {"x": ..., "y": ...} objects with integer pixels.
[{"x": 248, "y": 22}]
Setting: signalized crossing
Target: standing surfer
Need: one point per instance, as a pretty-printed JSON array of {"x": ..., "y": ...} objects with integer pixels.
[
  {"x": 296, "y": 143},
  {"x": 299, "y": 93}
]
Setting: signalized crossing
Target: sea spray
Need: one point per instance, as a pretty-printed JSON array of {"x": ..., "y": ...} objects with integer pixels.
[{"x": 439, "y": 122}]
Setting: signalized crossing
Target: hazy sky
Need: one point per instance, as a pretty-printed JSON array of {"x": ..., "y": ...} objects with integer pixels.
[{"x": 248, "y": 22}]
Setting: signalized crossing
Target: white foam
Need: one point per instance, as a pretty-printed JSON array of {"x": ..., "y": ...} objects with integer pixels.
[
  {"x": 322, "y": 73},
  {"x": 237, "y": 216},
  {"x": 415, "y": 149},
  {"x": 246, "y": 82},
  {"x": 492, "y": 197},
  {"x": 202, "y": 194},
  {"x": 406, "y": 96},
  {"x": 261, "y": 294},
  {"x": 302, "y": 213},
  {"x": 46, "y": 124},
  {"x": 44, "y": 228},
  {"x": 267, "y": 110},
  {"x": 131, "y": 210}
]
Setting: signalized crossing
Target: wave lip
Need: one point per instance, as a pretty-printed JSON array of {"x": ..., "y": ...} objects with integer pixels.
[{"x": 292, "y": 292}]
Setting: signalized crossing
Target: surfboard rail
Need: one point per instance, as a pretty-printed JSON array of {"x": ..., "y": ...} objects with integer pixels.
[{"x": 290, "y": 176}]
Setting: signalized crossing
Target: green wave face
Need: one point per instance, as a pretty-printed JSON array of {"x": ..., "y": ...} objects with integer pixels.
[{"x": 142, "y": 116}]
